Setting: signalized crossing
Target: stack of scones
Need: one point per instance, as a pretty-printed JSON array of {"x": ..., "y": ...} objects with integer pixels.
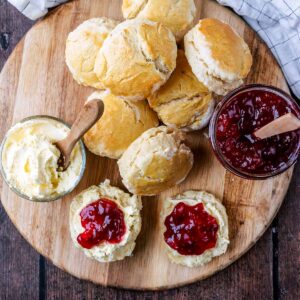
[{"x": 153, "y": 92}]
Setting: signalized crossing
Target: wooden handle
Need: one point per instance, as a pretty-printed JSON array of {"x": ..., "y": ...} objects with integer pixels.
[
  {"x": 285, "y": 123},
  {"x": 88, "y": 116}
]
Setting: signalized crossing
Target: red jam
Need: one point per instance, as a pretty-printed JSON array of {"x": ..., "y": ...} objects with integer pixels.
[
  {"x": 190, "y": 229},
  {"x": 102, "y": 221},
  {"x": 245, "y": 113}
]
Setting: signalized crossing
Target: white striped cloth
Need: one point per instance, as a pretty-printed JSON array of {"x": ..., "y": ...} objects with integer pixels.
[
  {"x": 278, "y": 24},
  {"x": 35, "y": 9},
  {"x": 276, "y": 21}
]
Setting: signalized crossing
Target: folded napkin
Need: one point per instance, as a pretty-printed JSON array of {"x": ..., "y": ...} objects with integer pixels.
[
  {"x": 34, "y": 9},
  {"x": 276, "y": 21},
  {"x": 278, "y": 24}
]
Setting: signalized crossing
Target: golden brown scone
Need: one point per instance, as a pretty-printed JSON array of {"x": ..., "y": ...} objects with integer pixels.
[
  {"x": 178, "y": 15},
  {"x": 183, "y": 102},
  {"x": 82, "y": 47},
  {"x": 155, "y": 161},
  {"x": 218, "y": 56},
  {"x": 136, "y": 59},
  {"x": 121, "y": 123}
]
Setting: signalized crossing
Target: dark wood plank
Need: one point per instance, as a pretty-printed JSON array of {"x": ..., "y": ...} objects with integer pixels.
[
  {"x": 288, "y": 246},
  {"x": 19, "y": 264},
  {"x": 13, "y": 26}
]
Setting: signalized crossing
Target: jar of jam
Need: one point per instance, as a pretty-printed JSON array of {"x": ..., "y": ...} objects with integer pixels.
[{"x": 237, "y": 116}]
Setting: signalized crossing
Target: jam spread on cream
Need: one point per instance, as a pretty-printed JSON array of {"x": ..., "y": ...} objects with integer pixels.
[
  {"x": 103, "y": 221},
  {"x": 245, "y": 113},
  {"x": 190, "y": 230}
]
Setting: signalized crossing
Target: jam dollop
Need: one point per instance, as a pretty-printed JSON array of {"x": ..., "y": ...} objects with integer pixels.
[
  {"x": 245, "y": 113},
  {"x": 103, "y": 221},
  {"x": 190, "y": 230}
]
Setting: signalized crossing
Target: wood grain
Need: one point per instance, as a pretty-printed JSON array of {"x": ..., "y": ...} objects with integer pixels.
[
  {"x": 18, "y": 279},
  {"x": 45, "y": 86}
]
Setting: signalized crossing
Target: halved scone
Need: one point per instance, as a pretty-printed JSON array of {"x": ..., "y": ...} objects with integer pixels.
[
  {"x": 105, "y": 222},
  {"x": 195, "y": 228}
]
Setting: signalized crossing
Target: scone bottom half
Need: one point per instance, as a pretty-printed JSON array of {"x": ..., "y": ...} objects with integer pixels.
[
  {"x": 105, "y": 222},
  {"x": 195, "y": 228},
  {"x": 155, "y": 161}
]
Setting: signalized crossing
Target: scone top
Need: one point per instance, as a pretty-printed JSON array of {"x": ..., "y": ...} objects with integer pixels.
[
  {"x": 177, "y": 15},
  {"x": 121, "y": 123},
  {"x": 82, "y": 47},
  {"x": 155, "y": 161},
  {"x": 224, "y": 48},
  {"x": 136, "y": 59},
  {"x": 218, "y": 56},
  {"x": 183, "y": 101}
]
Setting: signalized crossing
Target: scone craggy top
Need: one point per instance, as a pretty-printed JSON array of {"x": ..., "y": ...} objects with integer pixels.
[
  {"x": 223, "y": 50},
  {"x": 82, "y": 47},
  {"x": 146, "y": 51},
  {"x": 121, "y": 123},
  {"x": 183, "y": 102},
  {"x": 176, "y": 15},
  {"x": 130, "y": 205},
  {"x": 155, "y": 161}
]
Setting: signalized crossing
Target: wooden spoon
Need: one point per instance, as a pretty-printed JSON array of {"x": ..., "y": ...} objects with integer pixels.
[
  {"x": 285, "y": 123},
  {"x": 88, "y": 116}
]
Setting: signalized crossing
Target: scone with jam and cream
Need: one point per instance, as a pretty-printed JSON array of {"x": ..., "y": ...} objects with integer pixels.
[
  {"x": 195, "y": 228},
  {"x": 29, "y": 159},
  {"x": 105, "y": 222}
]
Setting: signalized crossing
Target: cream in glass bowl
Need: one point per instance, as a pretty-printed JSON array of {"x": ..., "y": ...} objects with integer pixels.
[{"x": 29, "y": 159}]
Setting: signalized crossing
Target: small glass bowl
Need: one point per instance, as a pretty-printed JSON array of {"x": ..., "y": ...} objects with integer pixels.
[
  {"x": 56, "y": 196},
  {"x": 213, "y": 122}
]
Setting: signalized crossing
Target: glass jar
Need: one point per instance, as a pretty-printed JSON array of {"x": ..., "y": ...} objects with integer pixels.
[
  {"x": 237, "y": 116},
  {"x": 53, "y": 196}
]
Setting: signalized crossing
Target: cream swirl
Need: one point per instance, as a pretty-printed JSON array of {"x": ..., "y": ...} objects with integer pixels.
[{"x": 29, "y": 159}]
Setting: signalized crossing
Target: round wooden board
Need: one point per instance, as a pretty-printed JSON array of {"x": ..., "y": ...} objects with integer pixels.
[{"x": 35, "y": 80}]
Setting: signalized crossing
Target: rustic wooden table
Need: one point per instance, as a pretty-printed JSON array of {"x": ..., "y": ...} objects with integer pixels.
[{"x": 269, "y": 270}]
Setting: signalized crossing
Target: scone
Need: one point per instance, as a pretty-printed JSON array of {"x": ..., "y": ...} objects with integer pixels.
[
  {"x": 183, "y": 102},
  {"x": 219, "y": 57},
  {"x": 121, "y": 123},
  {"x": 136, "y": 59},
  {"x": 195, "y": 228},
  {"x": 82, "y": 47},
  {"x": 105, "y": 222},
  {"x": 178, "y": 15},
  {"x": 155, "y": 161}
]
